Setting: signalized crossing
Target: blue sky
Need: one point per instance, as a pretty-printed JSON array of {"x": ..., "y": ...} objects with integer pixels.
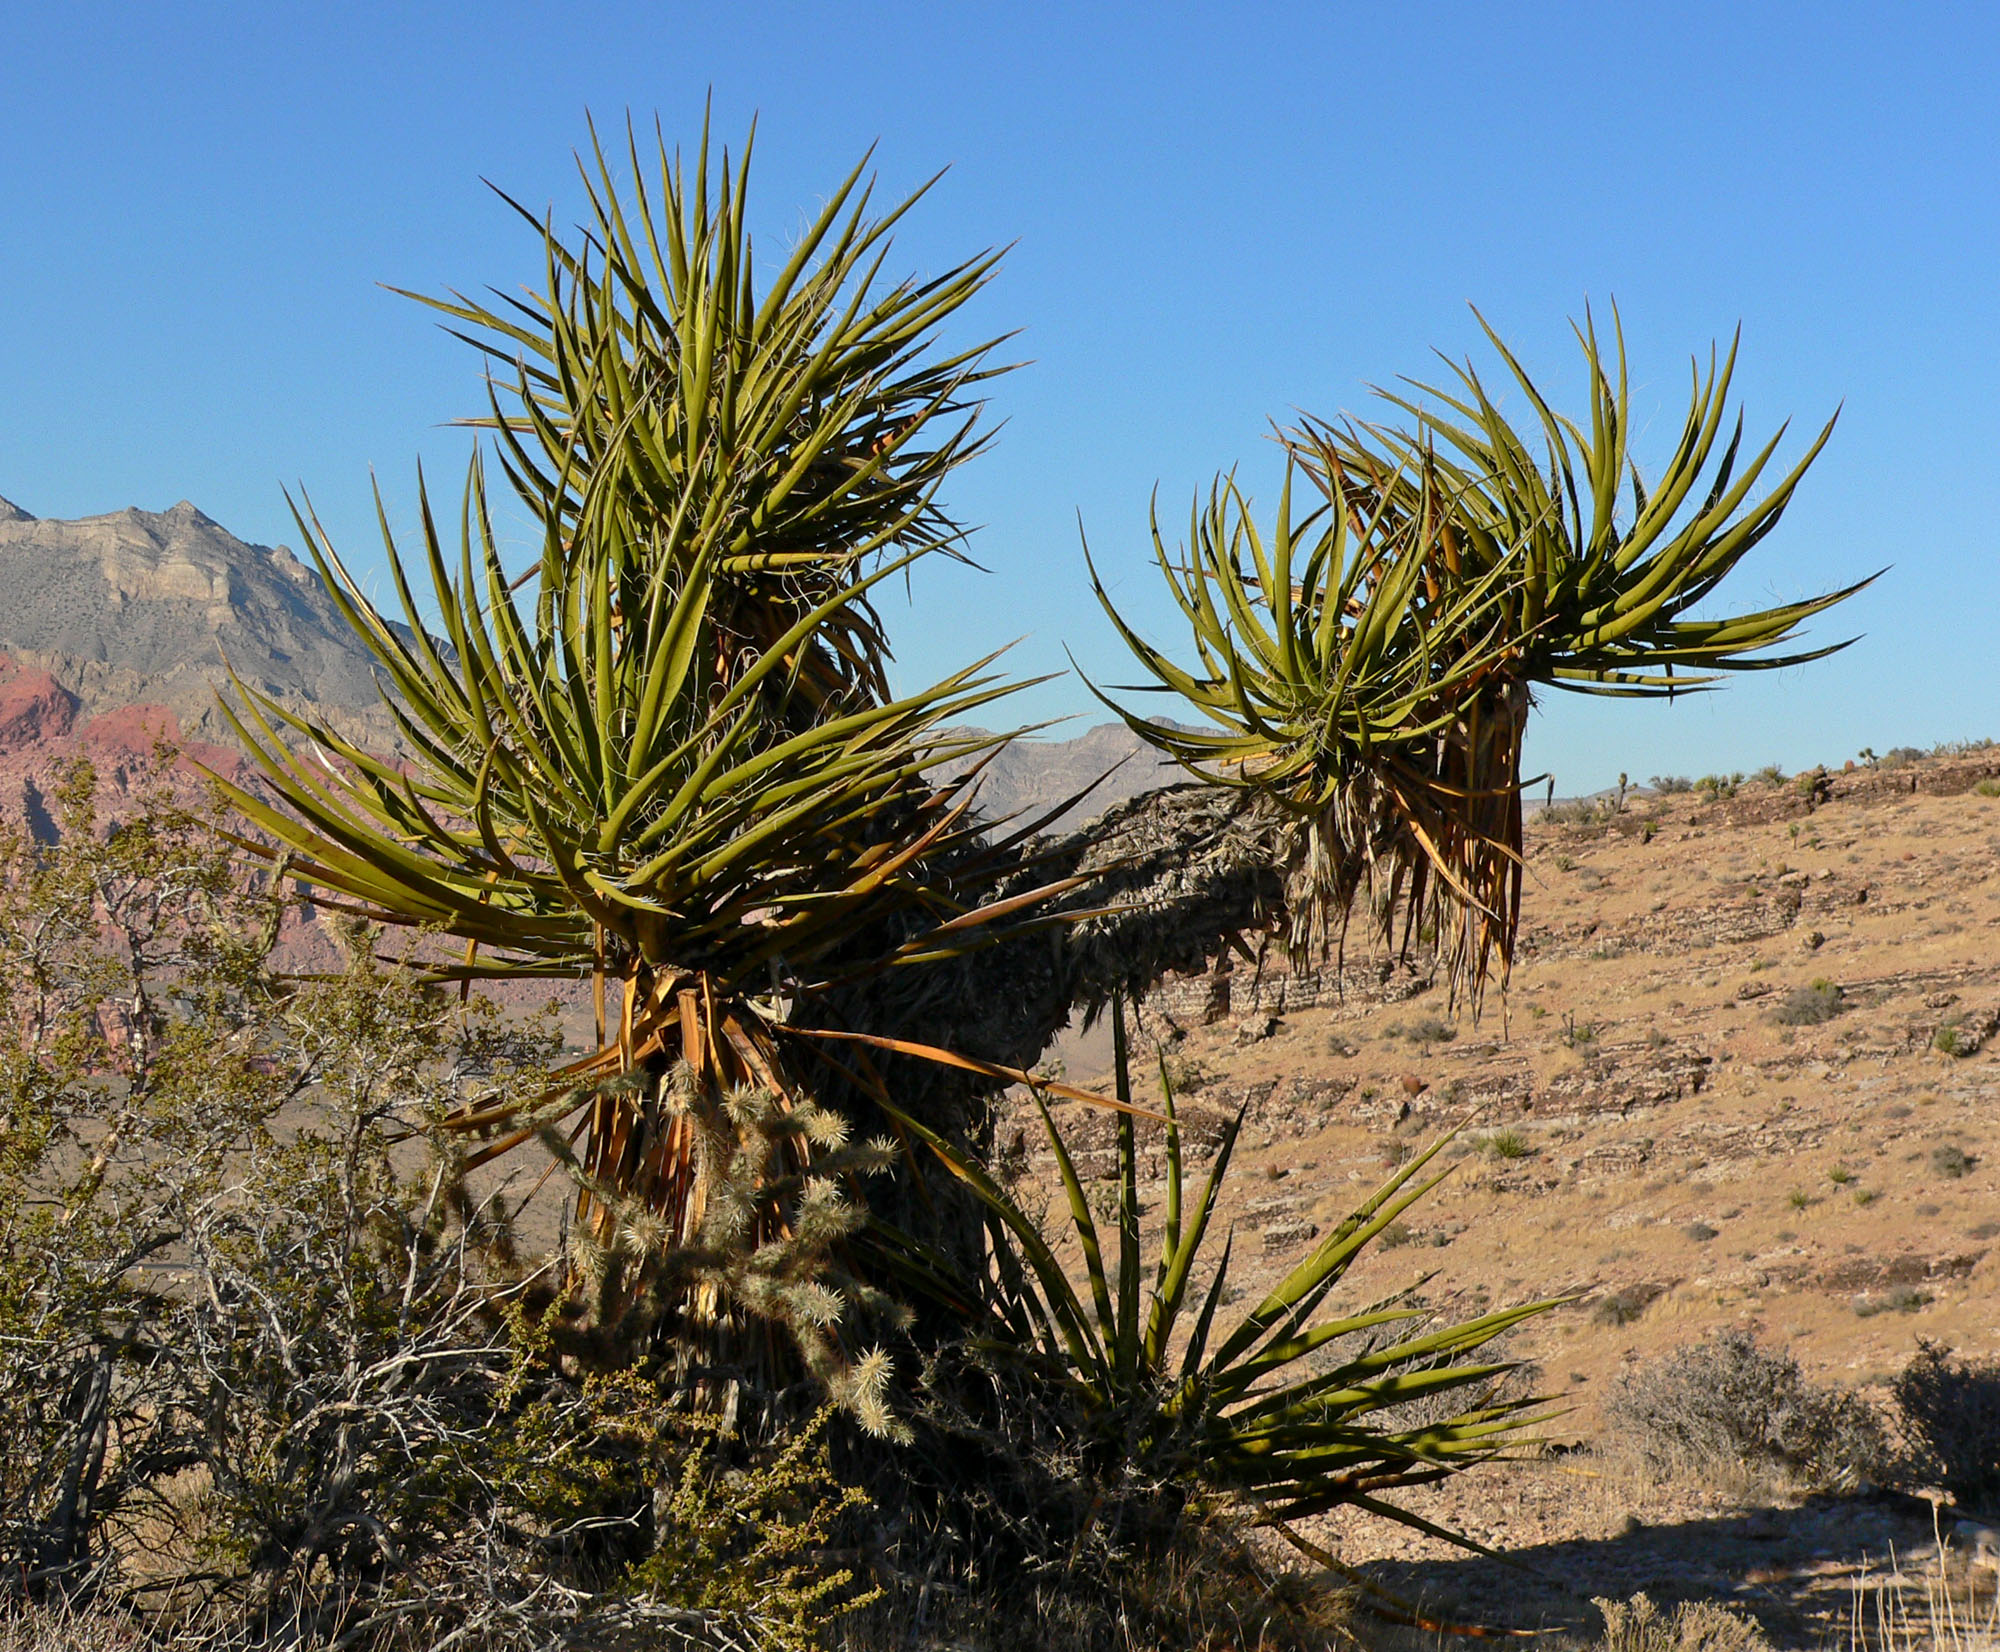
[{"x": 1217, "y": 215}]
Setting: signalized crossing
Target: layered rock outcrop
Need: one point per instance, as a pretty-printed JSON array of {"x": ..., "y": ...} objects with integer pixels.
[{"x": 145, "y": 607}]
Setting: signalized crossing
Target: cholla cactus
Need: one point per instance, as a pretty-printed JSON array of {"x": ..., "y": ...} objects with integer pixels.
[{"x": 766, "y": 1249}]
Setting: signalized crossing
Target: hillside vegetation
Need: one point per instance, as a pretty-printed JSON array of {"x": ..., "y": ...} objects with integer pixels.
[
  {"x": 1744, "y": 1082},
  {"x": 570, "y": 1155}
]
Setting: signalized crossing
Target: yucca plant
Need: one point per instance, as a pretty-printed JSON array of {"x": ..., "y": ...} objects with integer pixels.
[
  {"x": 1382, "y": 698},
  {"x": 1288, "y": 1410},
  {"x": 655, "y": 391},
  {"x": 1609, "y": 570},
  {"x": 1334, "y": 665},
  {"x": 665, "y": 757}
]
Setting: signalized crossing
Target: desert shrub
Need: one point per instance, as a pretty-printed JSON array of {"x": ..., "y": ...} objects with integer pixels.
[
  {"x": 997, "y": 1546},
  {"x": 1623, "y": 1307},
  {"x": 392, "y": 1437},
  {"x": 1577, "y": 811},
  {"x": 1507, "y": 1144},
  {"x": 1950, "y": 1411},
  {"x": 1638, "y": 1625},
  {"x": 1425, "y": 1030},
  {"x": 1700, "y": 1232},
  {"x": 1987, "y": 788},
  {"x": 1898, "y": 1299},
  {"x": 1771, "y": 774},
  {"x": 1726, "y": 1401},
  {"x": 1718, "y": 786},
  {"x": 1809, "y": 1005},
  {"x": 269, "y": 1364},
  {"x": 1670, "y": 784},
  {"x": 1901, "y": 757},
  {"x": 1950, "y": 1160},
  {"x": 1184, "y": 1071}
]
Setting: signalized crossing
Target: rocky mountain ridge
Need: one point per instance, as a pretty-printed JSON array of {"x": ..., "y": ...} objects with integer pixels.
[
  {"x": 152, "y": 608},
  {"x": 118, "y": 629}
]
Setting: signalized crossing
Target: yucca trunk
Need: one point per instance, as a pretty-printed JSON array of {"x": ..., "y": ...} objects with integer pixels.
[
  {"x": 1479, "y": 825},
  {"x": 1433, "y": 833}
]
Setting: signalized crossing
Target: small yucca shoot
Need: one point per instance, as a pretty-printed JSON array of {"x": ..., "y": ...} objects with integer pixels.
[{"x": 1290, "y": 1410}]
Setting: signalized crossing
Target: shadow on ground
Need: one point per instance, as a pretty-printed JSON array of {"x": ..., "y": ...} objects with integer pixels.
[{"x": 1801, "y": 1571}]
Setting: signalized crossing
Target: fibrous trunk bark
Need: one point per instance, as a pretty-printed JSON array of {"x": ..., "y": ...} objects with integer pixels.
[{"x": 1168, "y": 878}]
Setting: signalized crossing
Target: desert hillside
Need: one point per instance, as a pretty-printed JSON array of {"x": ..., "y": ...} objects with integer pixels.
[{"x": 1744, "y": 1077}]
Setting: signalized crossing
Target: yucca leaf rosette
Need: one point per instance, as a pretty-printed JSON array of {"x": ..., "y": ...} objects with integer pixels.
[
  {"x": 1372, "y": 671},
  {"x": 1333, "y": 670},
  {"x": 1302, "y": 1404},
  {"x": 665, "y": 756}
]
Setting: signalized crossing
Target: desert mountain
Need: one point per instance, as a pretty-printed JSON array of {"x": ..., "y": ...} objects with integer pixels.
[
  {"x": 130, "y": 617},
  {"x": 1108, "y": 763},
  {"x": 141, "y": 608}
]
